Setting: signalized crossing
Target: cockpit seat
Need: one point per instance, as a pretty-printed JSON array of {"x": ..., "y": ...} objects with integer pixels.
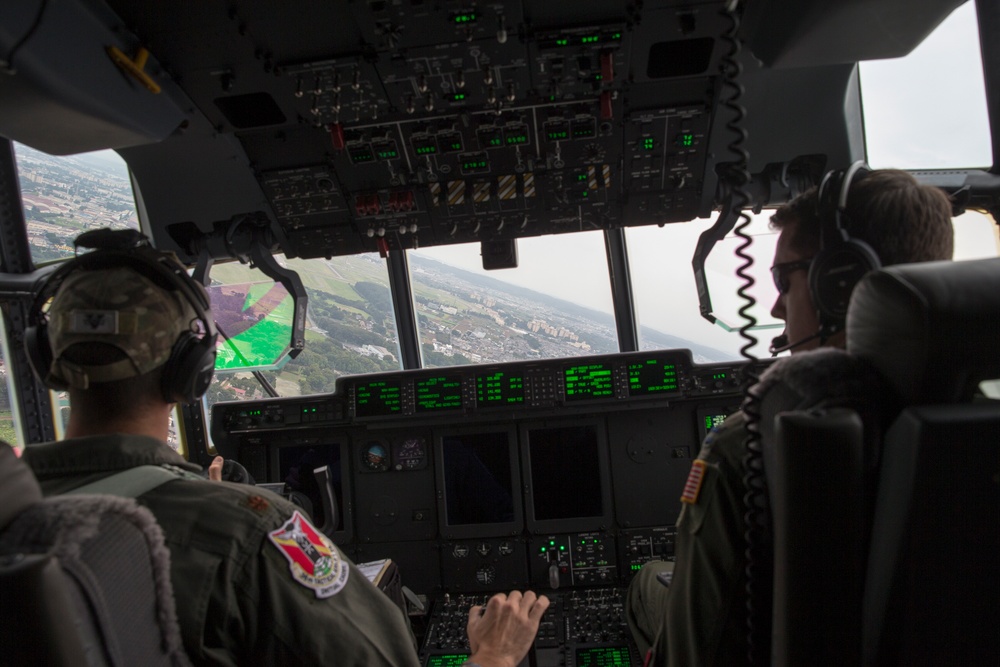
[
  {"x": 84, "y": 579},
  {"x": 884, "y": 506},
  {"x": 932, "y": 582}
]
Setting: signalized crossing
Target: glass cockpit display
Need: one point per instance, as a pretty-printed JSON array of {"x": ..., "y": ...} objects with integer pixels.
[
  {"x": 478, "y": 479},
  {"x": 378, "y": 399},
  {"x": 566, "y": 473}
]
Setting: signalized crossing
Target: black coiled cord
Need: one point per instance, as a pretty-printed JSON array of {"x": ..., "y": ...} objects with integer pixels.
[{"x": 759, "y": 556}]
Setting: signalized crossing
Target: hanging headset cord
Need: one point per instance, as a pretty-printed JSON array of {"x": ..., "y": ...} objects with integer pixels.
[{"x": 758, "y": 567}]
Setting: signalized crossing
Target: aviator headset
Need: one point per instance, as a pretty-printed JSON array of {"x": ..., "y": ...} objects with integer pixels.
[
  {"x": 841, "y": 261},
  {"x": 188, "y": 370}
]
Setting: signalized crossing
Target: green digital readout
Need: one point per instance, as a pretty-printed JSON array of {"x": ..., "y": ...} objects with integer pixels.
[
  {"x": 447, "y": 660},
  {"x": 711, "y": 421},
  {"x": 450, "y": 142},
  {"x": 603, "y": 656},
  {"x": 360, "y": 154},
  {"x": 474, "y": 163},
  {"x": 499, "y": 388},
  {"x": 515, "y": 136},
  {"x": 385, "y": 150},
  {"x": 556, "y": 131},
  {"x": 441, "y": 392},
  {"x": 584, "y": 129},
  {"x": 457, "y": 97},
  {"x": 489, "y": 137},
  {"x": 464, "y": 18},
  {"x": 684, "y": 139},
  {"x": 577, "y": 39},
  {"x": 652, "y": 376},
  {"x": 709, "y": 418},
  {"x": 648, "y": 144},
  {"x": 588, "y": 381},
  {"x": 424, "y": 145},
  {"x": 377, "y": 399}
]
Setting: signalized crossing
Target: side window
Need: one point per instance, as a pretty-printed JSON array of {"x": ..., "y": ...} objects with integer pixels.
[
  {"x": 64, "y": 196},
  {"x": 927, "y": 110},
  {"x": 10, "y": 431}
]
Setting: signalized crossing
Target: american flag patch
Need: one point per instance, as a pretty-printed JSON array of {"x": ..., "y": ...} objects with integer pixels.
[{"x": 693, "y": 484}]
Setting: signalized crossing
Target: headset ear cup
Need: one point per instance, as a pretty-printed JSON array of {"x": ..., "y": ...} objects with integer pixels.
[
  {"x": 832, "y": 277},
  {"x": 188, "y": 372},
  {"x": 39, "y": 352}
]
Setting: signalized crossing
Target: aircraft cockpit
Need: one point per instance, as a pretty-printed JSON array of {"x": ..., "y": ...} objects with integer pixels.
[{"x": 352, "y": 182}]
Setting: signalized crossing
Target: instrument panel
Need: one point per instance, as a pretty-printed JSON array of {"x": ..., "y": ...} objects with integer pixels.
[{"x": 562, "y": 476}]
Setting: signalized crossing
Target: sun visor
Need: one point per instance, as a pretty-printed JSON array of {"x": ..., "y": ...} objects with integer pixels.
[{"x": 73, "y": 80}]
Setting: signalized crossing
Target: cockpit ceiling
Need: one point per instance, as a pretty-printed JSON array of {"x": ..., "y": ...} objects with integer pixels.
[{"x": 346, "y": 127}]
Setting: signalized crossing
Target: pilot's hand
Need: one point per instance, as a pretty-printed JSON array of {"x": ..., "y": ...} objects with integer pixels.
[
  {"x": 215, "y": 469},
  {"x": 501, "y": 635}
]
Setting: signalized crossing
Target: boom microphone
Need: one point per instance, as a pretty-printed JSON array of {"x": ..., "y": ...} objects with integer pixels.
[{"x": 780, "y": 343}]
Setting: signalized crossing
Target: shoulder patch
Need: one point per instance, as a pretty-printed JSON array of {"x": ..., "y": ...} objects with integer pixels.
[
  {"x": 692, "y": 487},
  {"x": 312, "y": 559}
]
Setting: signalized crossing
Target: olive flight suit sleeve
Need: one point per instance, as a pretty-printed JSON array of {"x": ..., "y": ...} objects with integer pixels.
[
  {"x": 256, "y": 584},
  {"x": 333, "y": 615},
  {"x": 705, "y": 606}
]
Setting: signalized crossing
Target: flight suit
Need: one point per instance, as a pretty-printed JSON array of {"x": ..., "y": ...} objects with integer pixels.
[
  {"x": 239, "y": 599},
  {"x": 701, "y": 618}
]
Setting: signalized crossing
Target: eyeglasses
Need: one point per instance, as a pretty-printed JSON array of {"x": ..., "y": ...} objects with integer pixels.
[{"x": 779, "y": 272}]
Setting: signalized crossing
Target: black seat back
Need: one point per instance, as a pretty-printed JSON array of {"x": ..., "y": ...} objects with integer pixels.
[
  {"x": 884, "y": 514},
  {"x": 932, "y": 584},
  {"x": 84, "y": 580}
]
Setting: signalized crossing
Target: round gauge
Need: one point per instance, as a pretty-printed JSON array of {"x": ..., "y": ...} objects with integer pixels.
[
  {"x": 593, "y": 153},
  {"x": 460, "y": 551},
  {"x": 411, "y": 454},
  {"x": 505, "y": 548},
  {"x": 375, "y": 457},
  {"x": 484, "y": 549},
  {"x": 486, "y": 575}
]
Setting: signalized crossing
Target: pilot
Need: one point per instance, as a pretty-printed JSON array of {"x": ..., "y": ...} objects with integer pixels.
[
  {"x": 255, "y": 582},
  {"x": 701, "y": 617}
]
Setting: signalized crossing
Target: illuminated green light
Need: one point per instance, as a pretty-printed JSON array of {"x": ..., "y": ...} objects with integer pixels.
[
  {"x": 562, "y": 42},
  {"x": 581, "y": 177},
  {"x": 458, "y": 97},
  {"x": 475, "y": 164},
  {"x": 558, "y": 134},
  {"x": 387, "y": 155},
  {"x": 617, "y": 35},
  {"x": 495, "y": 141},
  {"x": 685, "y": 139},
  {"x": 517, "y": 139},
  {"x": 562, "y": 547},
  {"x": 465, "y": 18},
  {"x": 552, "y": 543},
  {"x": 590, "y": 39},
  {"x": 426, "y": 150}
]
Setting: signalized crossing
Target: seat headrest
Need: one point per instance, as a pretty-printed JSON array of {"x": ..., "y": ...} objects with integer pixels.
[
  {"x": 18, "y": 486},
  {"x": 930, "y": 328}
]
